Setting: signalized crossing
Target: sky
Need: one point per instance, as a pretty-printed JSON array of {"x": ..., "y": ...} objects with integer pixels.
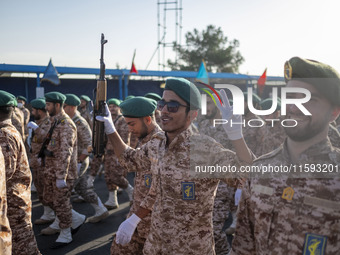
[{"x": 68, "y": 31}]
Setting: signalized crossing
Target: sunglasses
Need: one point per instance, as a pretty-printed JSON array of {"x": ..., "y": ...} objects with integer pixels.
[{"x": 172, "y": 105}]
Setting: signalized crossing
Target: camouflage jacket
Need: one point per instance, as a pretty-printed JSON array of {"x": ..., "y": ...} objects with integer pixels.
[
  {"x": 287, "y": 215},
  {"x": 182, "y": 213},
  {"x": 38, "y": 138},
  {"x": 86, "y": 115},
  {"x": 5, "y": 230},
  {"x": 18, "y": 121},
  {"x": 62, "y": 164},
  {"x": 84, "y": 134},
  {"x": 141, "y": 189}
]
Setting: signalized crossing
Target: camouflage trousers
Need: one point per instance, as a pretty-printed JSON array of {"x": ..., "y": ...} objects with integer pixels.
[
  {"x": 134, "y": 247},
  {"x": 23, "y": 239},
  {"x": 114, "y": 173},
  {"x": 81, "y": 185},
  {"x": 38, "y": 180},
  {"x": 95, "y": 165},
  {"x": 224, "y": 203},
  {"x": 59, "y": 200}
]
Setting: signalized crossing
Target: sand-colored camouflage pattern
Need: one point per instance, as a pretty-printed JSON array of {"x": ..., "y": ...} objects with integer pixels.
[
  {"x": 270, "y": 224},
  {"x": 18, "y": 177}
]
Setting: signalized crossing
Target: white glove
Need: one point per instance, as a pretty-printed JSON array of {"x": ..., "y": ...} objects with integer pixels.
[
  {"x": 90, "y": 181},
  {"x": 126, "y": 229},
  {"x": 61, "y": 184},
  {"x": 238, "y": 194},
  {"x": 32, "y": 125},
  {"x": 78, "y": 168},
  {"x": 108, "y": 123},
  {"x": 233, "y": 131}
]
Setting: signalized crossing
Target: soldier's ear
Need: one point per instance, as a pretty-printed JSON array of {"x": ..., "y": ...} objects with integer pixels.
[
  {"x": 193, "y": 114},
  {"x": 147, "y": 120},
  {"x": 335, "y": 113}
]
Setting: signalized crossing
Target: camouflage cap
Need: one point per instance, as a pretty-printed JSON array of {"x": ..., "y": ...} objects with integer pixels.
[
  {"x": 267, "y": 104},
  {"x": 22, "y": 98},
  {"x": 113, "y": 101},
  {"x": 38, "y": 103},
  {"x": 72, "y": 99},
  {"x": 138, "y": 107},
  {"x": 153, "y": 96},
  {"x": 7, "y": 99},
  {"x": 55, "y": 97},
  {"x": 128, "y": 97},
  {"x": 86, "y": 98},
  {"x": 322, "y": 76},
  {"x": 185, "y": 90}
]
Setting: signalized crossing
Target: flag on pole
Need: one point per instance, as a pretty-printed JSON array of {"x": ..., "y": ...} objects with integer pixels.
[
  {"x": 202, "y": 78},
  {"x": 202, "y": 75},
  {"x": 261, "y": 82},
  {"x": 133, "y": 68},
  {"x": 51, "y": 74}
]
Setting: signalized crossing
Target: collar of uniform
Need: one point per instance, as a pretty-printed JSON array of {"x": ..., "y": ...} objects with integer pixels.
[
  {"x": 76, "y": 115},
  {"x": 147, "y": 138},
  {"x": 185, "y": 135},
  {"x": 321, "y": 148},
  {"x": 59, "y": 116}
]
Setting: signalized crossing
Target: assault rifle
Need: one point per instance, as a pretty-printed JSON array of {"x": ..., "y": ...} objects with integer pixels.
[
  {"x": 43, "y": 150},
  {"x": 99, "y": 94}
]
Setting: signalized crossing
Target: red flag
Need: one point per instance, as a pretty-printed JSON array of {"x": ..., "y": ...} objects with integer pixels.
[
  {"x": 261, "y": 82},
  {"x": 133, "y": 68}
]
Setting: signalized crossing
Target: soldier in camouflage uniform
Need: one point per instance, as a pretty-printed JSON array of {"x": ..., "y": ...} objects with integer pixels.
[
  {"x": 114, "y": 172},
  {"x": 18, "y": 181},
  {"x": 84, "y": 135},
  {"x": 224, "y": 200},
  {"x": 298, "y": 212},
  {"x": 5, "y": 229},
  {"x": 61, "y": 170},
  {"x": 139, "y": 116},
  {"x": 84, "y": 109},
  {"x": 155, "y": 97},
  {"x": 18, "y": 120},
  {"x": 181, "y": 220},
  {"x": 40, "y": 130},
  {"x": 21, "y": 105}
]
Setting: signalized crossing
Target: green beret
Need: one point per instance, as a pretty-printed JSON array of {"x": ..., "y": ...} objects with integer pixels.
[
  {"x": 114, "y": 101},
  {"x": 128, "y": 97},
  {"x": 138, "y": 107},
  {"x": 256, "y": 98},
  {"x": 323, "y": 77},
  {"x": 55, "y": 97},
  {"x": 22, "y": 98},
  {"x": 185, "y": 90},
  {"x": 86, "y": 98},
  {"x": 38, "y": 103},
  {"x": 72, "y": 99},
  {"x": 153, "y": 96},
  {"x": 267, "y": 104},
  {"x": 7, "y": 99}
]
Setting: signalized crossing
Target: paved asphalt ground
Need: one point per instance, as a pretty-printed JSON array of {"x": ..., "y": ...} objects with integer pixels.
[{"x": 91, "y": 238}]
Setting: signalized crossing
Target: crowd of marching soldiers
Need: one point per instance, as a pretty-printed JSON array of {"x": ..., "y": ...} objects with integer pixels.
[{"x": 170, "y": 210}]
